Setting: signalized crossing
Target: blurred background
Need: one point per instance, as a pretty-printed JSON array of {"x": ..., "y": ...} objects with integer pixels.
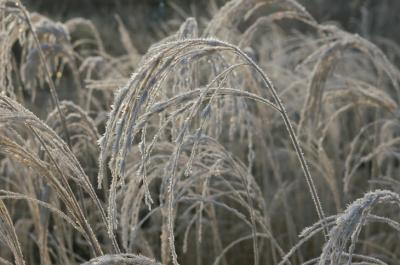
[{"x": 151, "y": 20}]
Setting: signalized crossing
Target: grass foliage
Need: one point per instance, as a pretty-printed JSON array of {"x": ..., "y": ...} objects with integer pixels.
[{"x": 258, "y": 136}]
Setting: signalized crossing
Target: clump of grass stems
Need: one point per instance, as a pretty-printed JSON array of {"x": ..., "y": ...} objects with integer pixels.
[{"x": 190, "y": 153}]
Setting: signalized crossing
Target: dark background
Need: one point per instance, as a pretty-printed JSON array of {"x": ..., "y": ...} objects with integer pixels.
[{"x": 150, "y": 20}]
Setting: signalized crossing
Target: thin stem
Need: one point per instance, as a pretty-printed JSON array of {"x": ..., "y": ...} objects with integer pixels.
[{"x": 50, "y": 81}]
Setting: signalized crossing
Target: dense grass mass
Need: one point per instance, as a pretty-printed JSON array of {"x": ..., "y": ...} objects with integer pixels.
[{"x": 248, "y": 133}]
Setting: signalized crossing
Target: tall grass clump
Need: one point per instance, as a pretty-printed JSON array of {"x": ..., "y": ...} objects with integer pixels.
[{"x": 252, "y": 134}]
